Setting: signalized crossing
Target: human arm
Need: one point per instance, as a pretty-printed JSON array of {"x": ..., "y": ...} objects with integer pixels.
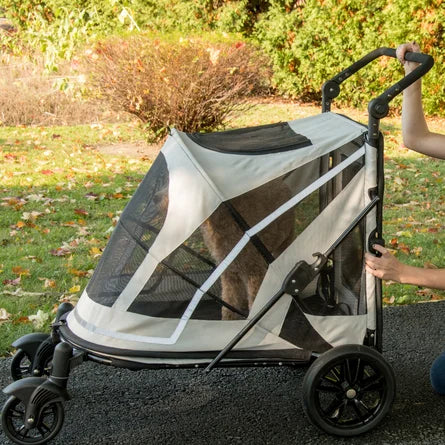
[
  {"x": 387, "y": 267},
  {"x": 416, "y": 134}
]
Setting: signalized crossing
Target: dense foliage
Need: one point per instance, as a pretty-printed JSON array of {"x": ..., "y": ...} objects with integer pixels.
[
  {"x": 310, "y": 44},
  {"x": 307, "y": 40}
]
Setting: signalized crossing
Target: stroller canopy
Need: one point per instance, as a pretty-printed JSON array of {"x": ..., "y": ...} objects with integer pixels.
[{"x": 214, "y": 228}]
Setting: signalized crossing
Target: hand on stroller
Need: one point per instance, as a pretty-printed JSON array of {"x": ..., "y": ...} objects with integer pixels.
[
  {"x": 402, "y": 50},
  {"x": 386, "y": 266}
]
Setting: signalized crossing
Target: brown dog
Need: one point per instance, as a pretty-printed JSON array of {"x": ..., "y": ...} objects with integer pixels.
[{"x": 242, "y": 279}]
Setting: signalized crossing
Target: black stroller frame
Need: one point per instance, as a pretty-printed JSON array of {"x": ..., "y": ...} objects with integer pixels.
[{"x": 42, "y": 363}]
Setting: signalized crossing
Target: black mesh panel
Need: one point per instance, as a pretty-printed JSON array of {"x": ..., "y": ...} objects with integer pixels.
[
  {"x": 253, "y": 140},
  {"x": 329, "y": 191},
  {"x": 176, "y": 280},
  {"x": 135, "y": 232},
  {"x": 339, "y": 288}
]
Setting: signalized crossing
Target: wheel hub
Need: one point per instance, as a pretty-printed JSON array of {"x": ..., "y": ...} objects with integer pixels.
[{"x": 351, "y": 393}]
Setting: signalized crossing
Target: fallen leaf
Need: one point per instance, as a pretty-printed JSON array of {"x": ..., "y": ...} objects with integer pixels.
[
  {"x": 27, "y": 216},
  {"x": 49, "y": 283},
  {"x": 33, "y": 258},
  {"x": 405, "y": 234},
  {"x": 14, "y": 282},
  {"x": 404, "y": 248},
  {"x": 431, "y": 294},
  {"x": 79, "y": 273},
  {"x": 60, "y": 251},
  {"x": 4, "y": 315},
  {"x": 95, "y": 252},
  {"x": 417, "y": 250},
  {"x": 389, "y": 300},
  {"x": 18, "y": 270},
  {"x": 40, "y": 319},
  {"x": 21, "y": 320}
]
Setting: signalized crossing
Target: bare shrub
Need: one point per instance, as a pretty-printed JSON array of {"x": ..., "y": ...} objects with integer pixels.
[
  {"x": 29, "y": 96},
  {"x": 190, "y": 84}
]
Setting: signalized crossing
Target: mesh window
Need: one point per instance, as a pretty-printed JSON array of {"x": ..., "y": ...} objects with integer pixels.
[
  {"x": 135, "y": 232},
  {"x": 253, "y": 140},
  {"x": 177, "y": 278},
  {"x": 339, "y": 289},
  {"x": 329, "y": 191}
]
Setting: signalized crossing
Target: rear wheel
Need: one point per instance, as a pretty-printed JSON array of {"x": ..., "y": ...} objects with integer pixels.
[
  {"x": 348, "y": 390},
  {"x": 22, "y": 364},
  {"x": 45, "y": 429}
]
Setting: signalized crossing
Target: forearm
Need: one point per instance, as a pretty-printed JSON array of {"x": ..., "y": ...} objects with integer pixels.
[
  {"x": 414, "y": 126},
  {"x": 416, "y": 134},
  {"x": 432, "y": 278}
]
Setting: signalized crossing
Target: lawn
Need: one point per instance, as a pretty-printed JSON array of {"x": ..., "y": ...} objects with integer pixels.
[{"x": 60, "y": 198}]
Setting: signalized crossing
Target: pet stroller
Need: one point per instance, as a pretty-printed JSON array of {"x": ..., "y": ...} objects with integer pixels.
[{"x": 239, "y": 248}]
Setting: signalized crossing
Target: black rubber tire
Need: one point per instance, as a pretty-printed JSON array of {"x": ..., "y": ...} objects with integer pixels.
[
  {"x": 48, "y": 426},
  {"x": 21, "y": 365},
  {"x": 348, "y": 390}
]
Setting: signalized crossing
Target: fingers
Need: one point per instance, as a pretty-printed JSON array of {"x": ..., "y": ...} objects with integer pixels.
[
  {"x": 375, "y": 272},
  {"x": 371, "y": 261},
  {"x": 374, "y": 263},
  {"x": 404, "y": 48},
  {"x": 379, "y": 248}
]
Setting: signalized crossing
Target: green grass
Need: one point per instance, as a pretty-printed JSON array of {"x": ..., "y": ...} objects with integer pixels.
[{"x": 59, "y": 199}]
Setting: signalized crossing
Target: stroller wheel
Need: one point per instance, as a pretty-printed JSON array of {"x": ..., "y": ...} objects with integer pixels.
[
  {"x": 47, "y": 427},
  {"x": 348, "y": 390},
  {"x": 21, "y": 365}
]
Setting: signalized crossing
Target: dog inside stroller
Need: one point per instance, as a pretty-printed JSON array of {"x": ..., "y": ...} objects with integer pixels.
[{"x": 239, "y": 248}]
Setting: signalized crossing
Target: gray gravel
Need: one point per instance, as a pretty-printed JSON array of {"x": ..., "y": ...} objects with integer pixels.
[{"x": 250, "y": 406}]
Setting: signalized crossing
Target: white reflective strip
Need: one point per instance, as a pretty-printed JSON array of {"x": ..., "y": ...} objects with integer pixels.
[
  {"x": 306, "y": 192},
  {"x": 225, "y": 263},
  {"x": 121, "y": 335}
]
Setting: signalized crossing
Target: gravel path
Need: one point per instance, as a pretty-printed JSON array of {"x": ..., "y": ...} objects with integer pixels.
[{"x": 250, "y": 406}]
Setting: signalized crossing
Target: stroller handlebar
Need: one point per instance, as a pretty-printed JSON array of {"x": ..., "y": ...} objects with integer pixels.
[{"x": 378, "y": 108}]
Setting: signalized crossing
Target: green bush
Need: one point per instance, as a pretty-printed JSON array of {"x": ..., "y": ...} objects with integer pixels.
[
  {"x": 308, "y": 41},
  {"x": 189, "y": 84},
  {"x": 57, "y": 29},
  {"x": 312, "y": 42}
]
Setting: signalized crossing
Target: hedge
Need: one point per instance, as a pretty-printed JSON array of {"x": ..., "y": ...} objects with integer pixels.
[
  {"x": 308, "y": 41},
  {"x": 310, "y": 44}
]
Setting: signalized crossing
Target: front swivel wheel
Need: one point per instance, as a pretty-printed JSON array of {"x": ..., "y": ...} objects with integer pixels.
[
  {"x": 19, "y": 430},
  {"x": 348, "y": 390}
]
